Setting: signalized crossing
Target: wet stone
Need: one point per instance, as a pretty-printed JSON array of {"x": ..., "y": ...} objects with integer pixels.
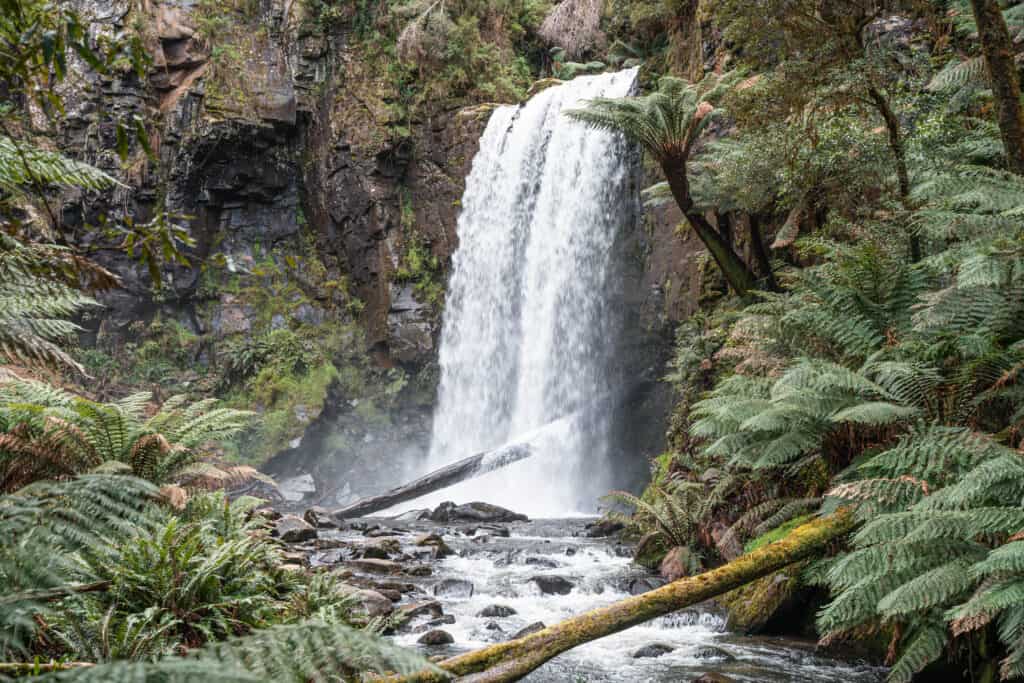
[
  {"x": 653, "y": 650},
  {"x": 527, "y": 630},
  {"x": 294, "y": 529},
  {"x": 496, "y": 611},
  {"x": 320, "y": 518},
  {"x": 553, "y": 585},
  {"x": 436, "y": 637},
  {"x": 454, "y": 588},
  {"x": 711, "y": 652}
]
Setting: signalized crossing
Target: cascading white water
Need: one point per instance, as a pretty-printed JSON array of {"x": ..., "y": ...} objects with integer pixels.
[{"x": 530, "y": 320}]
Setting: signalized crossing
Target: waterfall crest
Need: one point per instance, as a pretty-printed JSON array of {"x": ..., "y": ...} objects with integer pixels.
[{"x": 531, "y": 316}]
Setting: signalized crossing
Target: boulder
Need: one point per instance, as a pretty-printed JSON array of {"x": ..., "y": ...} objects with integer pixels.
[
  {"x": 712, "y": 652},
  {"x": 474, "y": 512},
  {"x": 375, "y": 566},
  {"x": 380, "y": 549},
  {"x": 436, "y": 637},
  {"x": 551, "y": 585},
  {"x": 653, "y": 650},
  {"x": 371, "y": 603},
  {"x": 527, "y": 630},
  {"x": 679, "y": 562},
  {"x": 294, "y": 529},
  {"x": 454, "y": 588},
  {"x": 496, "y": 611},
  {"x": 320, "y": 518},
  {"x": 412, "y": 610},
  {"x": 439, "y": 549},
  {"x": 603, "y": 528}
]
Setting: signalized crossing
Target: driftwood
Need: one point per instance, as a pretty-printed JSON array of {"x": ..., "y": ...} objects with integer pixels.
[
  {"x": 468, "y": 468},
  {"x": 514, "y": 659}
]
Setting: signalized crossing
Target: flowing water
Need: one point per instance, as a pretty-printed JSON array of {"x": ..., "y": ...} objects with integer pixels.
[{"x": 531, "y": 314}]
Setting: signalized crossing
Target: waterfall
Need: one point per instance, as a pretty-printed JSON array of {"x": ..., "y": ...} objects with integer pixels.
[{"x": 531, "y": 316}]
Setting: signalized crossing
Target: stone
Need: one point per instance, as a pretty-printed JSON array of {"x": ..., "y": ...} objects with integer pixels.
[
  {"x": 474, "y": 512},
  {"x": 713, "y": 677},
  {"x": 296, "y": 488},
  {"x": 551, "y": 585},
  {"x": 294, "y": 529},
  {"x": 489, "y": 529},
  {"x": 496, "y": 611},
  {"x": 604, "y": 528},
  {"x": 493, "y": 626},
  {"x": 375, "y": 566},
  {"x": 446, "y": 620},
  {"x": 653, "y": 650},
  {"x": 641, "y": 585},
  {"x": 412, "y": 610},
  {"x": 436, "y": 637},
  {"x": 372, "y": 603},
  {"x": 320, "y": 518},
  {"x": 712, "y": 652},
  {"x": 382, "y": 549},
  {"x": 392, "y": 595},
  {"x": 413, "y": 516},
  {"x": 678, "y": 563},
  {"x": 269, "y": 514},
  {"x": 419, "y": 570},
  {"x": 527, "y": 630},
  {"x": 454, "y": 588},
  {"x": 544, "y": 562},
  {"x": 440, "y": 549}
]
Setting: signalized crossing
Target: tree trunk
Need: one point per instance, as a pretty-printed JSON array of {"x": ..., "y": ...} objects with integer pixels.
[
  {"x": 1002, "y": 71},
  {"x": 761, "y": 252},
  {"x": 468, "y": 468},
  {"x": 514, "y": 659},
  {"x": 739, "y": 275},
  {"x": 892, "y": 125}
]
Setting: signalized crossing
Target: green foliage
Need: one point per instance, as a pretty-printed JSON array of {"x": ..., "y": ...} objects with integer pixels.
[
  {"x": 420, "y": 268},
  {"x": 669, "y": 508},
  {"x": 45, "y": 431}
]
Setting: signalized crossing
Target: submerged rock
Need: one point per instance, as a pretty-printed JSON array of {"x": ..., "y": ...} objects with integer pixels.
[
  {"x": 603, "y": 528},
  {"x": 294, "y": 529},
  {"x": 496, "y": 611},
  {"x": 431, "y": 607},
  {"x": 474, "y": 512},
  {"x": 454, "y": 588},
  {"x": 436, "y": 637},
  {"x": 550, "y": 585},
  {"x": 527, "y": 630},
  {"x": 653, "y": 650},
  {"x": 376, "y": 566},
  {"x": 711, "y": 652}
]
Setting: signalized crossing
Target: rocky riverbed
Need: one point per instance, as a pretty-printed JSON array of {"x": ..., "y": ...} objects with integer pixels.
[{"x": 461, "y": 577}]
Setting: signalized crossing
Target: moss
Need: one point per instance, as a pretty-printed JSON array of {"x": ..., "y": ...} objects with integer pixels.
[
  {"x": 753, "y": 605},
  {"x": 777, "y": 533}
]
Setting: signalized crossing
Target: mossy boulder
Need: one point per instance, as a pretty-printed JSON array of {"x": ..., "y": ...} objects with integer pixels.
[{"x": 778, "y": 604}]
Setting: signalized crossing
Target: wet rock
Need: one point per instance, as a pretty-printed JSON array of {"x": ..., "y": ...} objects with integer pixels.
[
  {"x": 550, "y": 585},
  {"x": 496, "y": 611},
  {"x": 643, "y": 584},
  {"x": 294, "y": 529},
  {"x": 330, "y": 543},
  {"x": 439, "y": 549},
  {"x": 295, "y": 558},
  {"x": 320, "y": 518},
  {"x": 431, "y": 607},
  {"x": 446, "y": 620},
  {"x": 392, "y": 595},
  {"x": 382, "y": 549},
  {"x": 372, "y": 603},
  {"x": 711, "y": 652},
  {"x": 475, "y": 512},
  {"x": 454, "y": 588},
  {"x": 679, "y": 562},
  {"x": 570, "y": 551},
  {"x": 489, "y": 530},
  {"x": 419, "y": 570},
  {"x": 395, "y": 586},
  {"x": 603, "y": 528},
  {"x": 376, "y": 566},
  {"x": 269, "y": 514},
  {"x": 653, "y": 650},
  {"x": 527, "y": 630},
  {"x": 545, "y": 562},
  {"x": 493, "y": 626},
  {"x": 383, "y": 532},
  {"x": 712, "y": 677},
  {"x": 436, "y": 637}
]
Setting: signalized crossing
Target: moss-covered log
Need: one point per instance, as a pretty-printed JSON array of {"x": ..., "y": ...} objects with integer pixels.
[{"x": 514, "y": 659}]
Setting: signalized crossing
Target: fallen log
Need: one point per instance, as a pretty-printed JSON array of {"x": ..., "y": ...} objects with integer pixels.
[
  {"x": 467, "y": 468},
  {"x": 510, "y": 661}
]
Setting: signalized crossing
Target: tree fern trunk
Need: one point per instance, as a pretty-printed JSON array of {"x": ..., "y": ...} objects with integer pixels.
[
  {"x": 892, "y": 125},
  {"x": 1002, "y": 71},
  {"x": 739, "y": 275},
  {"x": 514, "y": 659}
]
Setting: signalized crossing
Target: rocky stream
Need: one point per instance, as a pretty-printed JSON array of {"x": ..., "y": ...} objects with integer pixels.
[{"x": 461, "y": 577}]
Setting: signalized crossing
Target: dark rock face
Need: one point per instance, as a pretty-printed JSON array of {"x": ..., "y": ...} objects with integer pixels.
[
  {"x": 436, "y": 637},
  {"x": 527, "y": 630},
  {"x": 454, "y": 588},
  {"x": 474, "y": 512},
  {"x": 496, "y": 611},
  {"x": 653, "y": 650},
  {"x": 553, "y": 585},
  {"x": 294, "y": 529}
]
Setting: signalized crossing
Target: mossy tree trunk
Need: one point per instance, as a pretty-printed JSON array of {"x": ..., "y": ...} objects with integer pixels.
[
  {"x": 512, "y": 660},
  {"x": 739, "y": 275},
  {"x": 1002, "y": 71}
]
